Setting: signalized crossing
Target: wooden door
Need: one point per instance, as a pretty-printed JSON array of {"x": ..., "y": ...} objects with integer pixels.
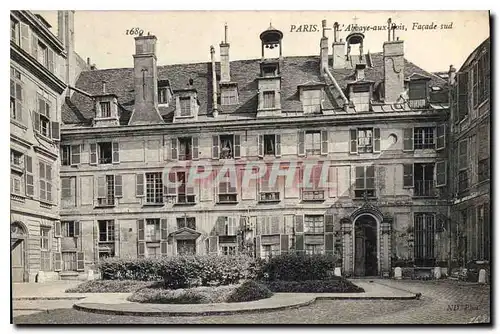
[
  {"x": 18, "y": 261},
  {"x": 359, "y": 260}
]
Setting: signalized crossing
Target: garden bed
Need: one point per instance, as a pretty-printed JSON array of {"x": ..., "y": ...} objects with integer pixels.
[
  {"x": 109, "y": 286},
  {"x": 337, "y": 285}
]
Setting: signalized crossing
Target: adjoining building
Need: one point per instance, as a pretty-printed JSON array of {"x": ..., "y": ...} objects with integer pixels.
[
  {"x": 470, "y": 157},
  {"x": 375, "y": 120},
  {"x": 41, "y": 65}
]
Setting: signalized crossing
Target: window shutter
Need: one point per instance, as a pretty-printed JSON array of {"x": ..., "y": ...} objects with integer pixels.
[
  {"x": 329, "y": 223},
  {"x": 441, "y": 173},
  {"x": 140, "y": 229},
  {"x": 75, "y": 154},
  {"x": 57, "y": 229},
  {"x": 51, "y": 61},
  {"x": 463, "y": 89},
  {"x": 215, "y": 147},
  {"x": 163, "y": 248},
  {"x": 324, "y": 142},
  {"x": 408, "y": 139},
  {"x": 80, "y": 261},
  {"x": 284, "y": 243},
  {"x": 237, "y": 146},
  {"x": 116, "y": 152},
  {"x": 30, "y": 187},
  {"x": 301, "y": 144},
  {"x": 34, "y": 46},
  {"x": 360, "y": 177},
  {"x": 139, "y": 185},
  {"x": 299, "y": 224},
  {"x": 277, "y": 225},
  {"x": 173, "y": 148},
  {"x": 407, "y": 175},
  {"x": 78, "y": 229},
  {"x": 220, "y": 226},
  {"x": 101, "y": 187},
  {"x": 57, "y": 261},
  {"x": 55, "y": 131},
  {"x": 19, "y": 102},
  {"x": 171, "y": 185},
  {"x": 257, "y": 247},
  {"x": 260, "y": 145},
  {"x": 329, "y": 243},
  {"x": 93, "y": 154},
  {"x": 195, "y": 148},
  {"x": 376, "y": 140},
  {"x": 441, "y": 137},
  {"x": 370, "y": 177},
  {"x": 299, "y": 243},
  {"x": 353, "y": 135},
  {"x": 164, "y": 229},
  {"x": 213, "y": 245},
  {"x": 141, "y": 249},
  {"x": 37, "y": 121},
  {"x": 278, "y": 145},
  {"x": 118, "y": 186},
  {"x": 25, "y": 37}
]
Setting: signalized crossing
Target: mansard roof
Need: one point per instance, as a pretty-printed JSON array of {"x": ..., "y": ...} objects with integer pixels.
[{"x": 295, "y": 71}]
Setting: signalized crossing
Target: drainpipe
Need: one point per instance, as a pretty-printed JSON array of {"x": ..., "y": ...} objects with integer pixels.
[
  {"x": 215, "y": 112},
  {"x": 342, "y": 95}
]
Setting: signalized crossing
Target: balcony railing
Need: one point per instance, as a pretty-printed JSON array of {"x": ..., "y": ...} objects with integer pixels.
[
  {"x": 417, "y": 104},
  {"x": 108, "y": 201},
  {"x": 186, "y": 199},
  {"x": 424, "y": 188},
  {"x": 269, "y": 196}
]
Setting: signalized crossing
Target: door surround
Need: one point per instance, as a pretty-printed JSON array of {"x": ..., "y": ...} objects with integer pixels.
[{"x": 377, "y": 236}]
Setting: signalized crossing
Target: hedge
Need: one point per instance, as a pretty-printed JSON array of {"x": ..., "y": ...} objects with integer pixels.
[
  {"x": 181, "y": 272},
  {"x": 336, "y": 285},
  {"x": 248, "y": 292},
  {"x": 296, "y": 267}
]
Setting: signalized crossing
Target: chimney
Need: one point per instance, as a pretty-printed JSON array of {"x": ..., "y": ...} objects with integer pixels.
[
  {"x": 393, "y": 69},
  {"x": 323, "y": 53},
  {"x": 360, "y": 72},
  {"x": 65, "y": 33},
  {"x": 145, "y": 83},
  {"x": 225, "y": 75},
  {"x": 214, "y": 83},
  {"x": 338, "y": 49},
  {"x": 452, "y": 73}
]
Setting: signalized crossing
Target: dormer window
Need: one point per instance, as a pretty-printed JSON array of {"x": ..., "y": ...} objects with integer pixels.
[
  {"x": 164, "y": 92},
  {"x": 311, "y": 100},
  {"x": 417, "y": 94},
  {"x": 269, "y": 99},
  {"x": 229, "y": 96},
  {"x": 269, "y": 71},
  {"x": 360, "y": 95},
  {"x": 185, "y": 104},
  {"x": 105, "y": 109}
]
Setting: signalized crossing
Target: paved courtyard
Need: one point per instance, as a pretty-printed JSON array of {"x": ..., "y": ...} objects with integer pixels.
[{"x": 442, "y": 302}]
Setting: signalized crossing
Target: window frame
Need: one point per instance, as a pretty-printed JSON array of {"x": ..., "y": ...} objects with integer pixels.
[
  {"x": 109, "y": 232},
  {"x": 366, "y": 148},
  {"x": 105, "y": 112},
  {"x": 185, "y": 105},
  {"x": 424, "y": 238},
  {"x": 47, "y": 182},
  {"x": 269, "y": 99},
  {"x": 314, "y": 224},
  {"x": 157, "y": 230},
  {"x": 154, "y": 188},
  {"x": 424, "y": 138}
]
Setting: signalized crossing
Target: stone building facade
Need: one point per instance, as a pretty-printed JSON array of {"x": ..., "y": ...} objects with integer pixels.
[
  {"x": 470, "y": 148},
  {"x": 373, "y": 125},
  {"x": 40, "y": 65}
]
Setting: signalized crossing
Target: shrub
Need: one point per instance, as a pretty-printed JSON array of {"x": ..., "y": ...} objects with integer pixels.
[
  {"x": 103, "y": 286},
  {"x": 339, "y": 284},
  {"x": 296, "y": 267},
  {"x": 181, "y": 272},
  {"x": 198, "y": 295},
  {"x": 249, "y": 291}
]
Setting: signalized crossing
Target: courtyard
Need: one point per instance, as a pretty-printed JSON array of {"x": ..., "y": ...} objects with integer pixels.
[{"x": 442, "y": 302}]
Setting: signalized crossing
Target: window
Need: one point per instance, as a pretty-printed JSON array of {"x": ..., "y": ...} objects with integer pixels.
[
  {"x": 269, "y": 98},
  {"x": 153, "y": 251},
  {"x": 189, "y": 222},
  {"x": 423, "y": 180},
  {"x": 105, "y": 153},
  {"x": 106, "y": 231},
  {"x": 42, "y": 53},
  {"x": 313, "y": 142},
  {"x": 270, "y": 250},
  {"x": 14, "y": 31},
  {"x": 360, "y": 97},
  {"x": 152, "y": 232},
  {"x": 483, "y": 68},
  {"x": 423, "y": 138},
  {"x": 186, "y": 247},
  {"x": 44, "y": 238},
  {"x": 69, "y": 261},
  {"x": 312, "y": 188},
  {"x": 45, "y": 249},
  {"x": 16, "y": 184},
  {"x": 269, "y": 70},
  {"x": 462, "y": 155},
  {"x": 16, "y": 159},
  {"x": 185, "y": 193},
  {"x": 311, "y": 100},
  {"x": 163, "y": 95},
  {"x": 417, "y": 94},
  {"x": 227, "y": 191},
  {"x": 463, "y": 181},
  {"x": 154, "y": 188},
  {"x": 68, "y": 229},
  {"x": 424, "y": 226},
  {"x": 185, "y": 105},
  {"x": 185, "y": 148},
  {"x": 228, "y": 250},
  {"x": 269, "y": 144},
  {"x": 475, "y": 80},
  {"x": 483, "y": 169},
  {"x": 230, "y": 227},
  {"x": 43, "y": 115},
  {"x": 268, "y": 191},
  {"x": 365, "y": 140},
  {"x": 65, "y": 155},
  {"x": 106, "y": 190},
  {"x": 365, "y": 182},
  {"x": 68, "y": 192},
  {"x": 229, "y": 96},
  {"x": 45, "y": 182},
  {"x": 314, "y": 224},
  {"x": 105, "y": 109},
  {"x": 462, "y": 94},
  {"x": 226, "y": 146},
  {"x": 16, "y": 95},
  {"x": 312, "y": 249}
]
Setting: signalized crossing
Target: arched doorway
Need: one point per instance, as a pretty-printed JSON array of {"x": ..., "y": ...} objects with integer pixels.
[
  {"x": 18, "y": 238},
  {"x": 366, "y": 246}
]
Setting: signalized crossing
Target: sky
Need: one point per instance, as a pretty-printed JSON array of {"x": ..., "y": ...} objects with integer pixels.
[{"x": 186, "y": 36}]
